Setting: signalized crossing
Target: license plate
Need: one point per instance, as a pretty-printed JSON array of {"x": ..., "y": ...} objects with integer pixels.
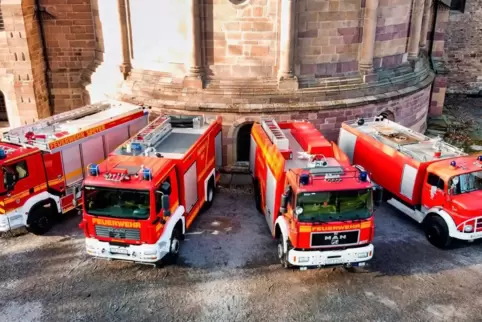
[
  {"x": 476, "y": 235},
  {"x": 330, "y": 261},
  {"x": 119, "y": 251}
]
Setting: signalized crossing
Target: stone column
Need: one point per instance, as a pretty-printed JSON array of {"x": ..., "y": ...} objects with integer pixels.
[
  {"x": 125, "y": 66},
  {"x": 194, "y": 77},
  {"x": 286, "y": 77},
  {"x": 425, "y": 21},
  {"x": 369, "y": 34},
  {"x": 415, "y": 29}
]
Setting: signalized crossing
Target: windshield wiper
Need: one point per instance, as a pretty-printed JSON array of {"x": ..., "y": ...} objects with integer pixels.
[
  {"x": 313, "y": 220},
  {"x": 351, "y": 219}
]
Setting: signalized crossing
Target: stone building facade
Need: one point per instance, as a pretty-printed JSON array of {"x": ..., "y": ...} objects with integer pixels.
[
  {"x": 322, "y": 60},
  {"x": 464, "y": 49}
]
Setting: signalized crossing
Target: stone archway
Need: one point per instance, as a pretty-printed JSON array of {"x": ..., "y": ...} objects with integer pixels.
[
  {"x": 3, "y": 109},
  {"x": 388, "y": 115},
  {"x": 243, "y": 142}
]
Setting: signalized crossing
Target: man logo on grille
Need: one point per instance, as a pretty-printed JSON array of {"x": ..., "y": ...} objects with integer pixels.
[
  {"x": 117, "y": 233},
  {"x": 335, "y": 239}
]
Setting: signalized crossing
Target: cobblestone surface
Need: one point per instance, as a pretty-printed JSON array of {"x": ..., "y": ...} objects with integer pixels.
[{"x": 228, "y": 272}]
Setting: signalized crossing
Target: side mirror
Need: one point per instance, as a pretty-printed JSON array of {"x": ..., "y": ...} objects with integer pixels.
[
  {"x": 377, "y": 196},
  {"x": 166, "y": 188},
  {"x": 9, "y": 180},
  {"x": 165, "y": 205},
  {"x": 284, "y": 203}
]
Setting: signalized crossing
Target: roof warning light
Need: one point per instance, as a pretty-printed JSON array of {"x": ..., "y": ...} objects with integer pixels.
[
  {"x": 304, "y": 179},
  {"x": 363, "y": 176},
  {"x": 94, "y": 169},
  {"x": 146, "y": 174},
  {"x": 3, "y": 154}
]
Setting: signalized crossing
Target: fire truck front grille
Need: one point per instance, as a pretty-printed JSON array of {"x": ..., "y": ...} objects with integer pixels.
[
  {"x": 478, "y": 226},
  {"x": 118, "y": 233},
  {"x": 333, "y": 239}
]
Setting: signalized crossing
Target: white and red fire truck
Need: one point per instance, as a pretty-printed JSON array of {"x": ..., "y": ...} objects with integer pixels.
[
  {"x": 434, "y": 183},
  {"x": 140, "y": 201},
  {"x": 317, "y": 205},
  {"x": 44, "y": 163}
]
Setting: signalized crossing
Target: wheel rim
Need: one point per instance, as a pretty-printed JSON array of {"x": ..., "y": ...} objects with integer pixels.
[
  {"x": 210, "y": 195},
  {"x": 43, "y": 222},
  {"x": 433, "y": 234},
  {"x": 175, "y": 246},
  {"x": 280, "y": 252}
]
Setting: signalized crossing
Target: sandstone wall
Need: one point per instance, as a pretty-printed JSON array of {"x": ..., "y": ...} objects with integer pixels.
[
  {"x": 240, "y": 40},
  {"x": 392, "y": 32},
  {"x": 71, "y": 43},
  {"x": 464, "y": 49},
  {"x": 329, "y": 34},
  {"x": 17, "y": 66}
]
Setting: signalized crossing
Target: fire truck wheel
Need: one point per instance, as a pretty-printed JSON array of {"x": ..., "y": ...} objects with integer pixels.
[
  {"x": 40, "y": 220},
  {"x": 437, "y": 232},
  {"x": 282, "y": 255},
  {"x": 210, "y": 196},
  {"x": 174, "y": 247}
]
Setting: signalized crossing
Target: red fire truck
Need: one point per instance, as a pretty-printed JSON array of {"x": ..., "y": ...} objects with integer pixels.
[
  {"x": 44, "y": 163},
  {"x": 317, "y": 205},
  {"x": 434, "y": 183},
  {"x": 140, "y": 201}
]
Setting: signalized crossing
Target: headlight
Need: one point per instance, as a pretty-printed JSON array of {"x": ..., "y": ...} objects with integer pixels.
[
  {"x": 468, "y": 228},
  {"x": 303, "y": 259},
  {"x": 362, "y": 255},
  {"x": 150, "y": 252}
]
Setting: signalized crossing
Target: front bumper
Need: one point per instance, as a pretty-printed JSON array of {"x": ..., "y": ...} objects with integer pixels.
[
  {"x": 137, "y": 253},
  {"x": 466, "y": 236},
  {"x": 11, "y": 221},
  {"x": 320, "y": 258}
]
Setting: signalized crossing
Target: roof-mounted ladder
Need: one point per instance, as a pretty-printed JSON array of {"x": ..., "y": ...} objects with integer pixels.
[
  {"x": 156, "y": 131},
  {"x": 17, "y": 135},
  {"x": 272, "y": 129}
]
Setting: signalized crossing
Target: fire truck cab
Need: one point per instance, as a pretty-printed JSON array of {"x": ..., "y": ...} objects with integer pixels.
[
  {"x": 317, "y": 205},
  {"x": 140, "y": 201},
  {"x": 44, "y": 163}
]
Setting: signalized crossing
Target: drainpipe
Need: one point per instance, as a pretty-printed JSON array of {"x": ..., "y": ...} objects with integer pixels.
[{"x": 39, "y": 10}]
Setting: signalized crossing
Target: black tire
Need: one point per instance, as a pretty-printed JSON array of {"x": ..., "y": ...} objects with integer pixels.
[
  {"x": 174, "y": 247},
  {"x": 211, "y": 192},
  {"x": 257, "y": 196},
  {"x": 437, "y": 232},
  {"x": 386, "y": 195},
  {"x": 282, "y": 255},
  {"x": 40, "y": 220}
]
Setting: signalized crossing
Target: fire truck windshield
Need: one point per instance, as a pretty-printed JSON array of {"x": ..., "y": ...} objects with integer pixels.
[
  {"x": 117, "y": 203},
  {"x": 466, "y": 182},
  {"x": 328, "y": 206}
]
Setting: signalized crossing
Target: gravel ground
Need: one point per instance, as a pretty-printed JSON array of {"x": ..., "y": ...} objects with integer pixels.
[{"x": 228, "y": 272}]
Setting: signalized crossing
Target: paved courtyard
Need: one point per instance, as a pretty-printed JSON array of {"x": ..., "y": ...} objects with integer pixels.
[{"x": 228, "y": 271}]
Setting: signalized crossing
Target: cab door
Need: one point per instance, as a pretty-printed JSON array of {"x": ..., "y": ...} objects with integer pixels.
[
  {"x": 433, "y": 193},
  {"x": 28, "y": 179}
]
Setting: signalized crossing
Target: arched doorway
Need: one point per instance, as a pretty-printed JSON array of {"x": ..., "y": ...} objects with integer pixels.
[
  {"x": 3, "y": 109},
  {"x": 243, "y": 143}
]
